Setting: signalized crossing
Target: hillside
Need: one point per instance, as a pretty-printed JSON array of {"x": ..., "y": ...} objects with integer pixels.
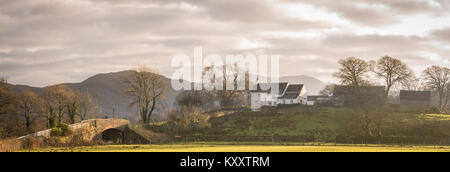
[
  {"x": 298, "y": 123},
  {"x": 107, "y": 90}
]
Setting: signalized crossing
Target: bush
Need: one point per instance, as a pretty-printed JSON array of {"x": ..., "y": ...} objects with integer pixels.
[
  {"x": 56, "y": 132},
  {"x": 66, "y": 130},
  {"x": 31, "y": 143},
  {"x": 189, "y": 119},
  {"x": 61, "y": 130}
]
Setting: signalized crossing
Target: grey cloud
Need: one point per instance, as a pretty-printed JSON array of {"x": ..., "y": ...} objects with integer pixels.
[
  {"x": 318, "y": 57},
  {"x": 378, "y": 13},
  {"x": 442, "y": 35},
  {"x": 45, "y": 42}
]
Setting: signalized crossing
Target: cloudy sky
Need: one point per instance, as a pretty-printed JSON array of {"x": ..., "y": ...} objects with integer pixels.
[{"x": 45, "y": 42}]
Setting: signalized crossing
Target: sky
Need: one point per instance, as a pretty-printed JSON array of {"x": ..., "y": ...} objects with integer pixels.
[{"x": 45, "y": 42}]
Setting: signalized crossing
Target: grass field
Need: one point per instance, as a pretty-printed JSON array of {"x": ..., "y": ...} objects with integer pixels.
[{"x": 248, "y": 147}]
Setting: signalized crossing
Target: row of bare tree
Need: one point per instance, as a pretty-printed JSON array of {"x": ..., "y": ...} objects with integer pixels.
[
  {"x": 28, "y": 111},
  {"x": 392, "y": 72},
  {"x": 218, "y": 97},
  {"x": 147, "y": 89}
]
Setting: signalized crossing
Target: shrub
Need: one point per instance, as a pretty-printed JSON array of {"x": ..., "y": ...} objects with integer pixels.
[
  {"x": 66, "y": 130},
  {"x": 61, "y": 130},
  {"x": 56, "y": 132},
  {"x": 52, "y": 142},
  {"x": 189, "y": 119},
  {"x": 31, "y": 143}
]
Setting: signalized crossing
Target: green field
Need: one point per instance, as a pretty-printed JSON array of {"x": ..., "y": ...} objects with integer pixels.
[
  {"x": 324, "y": 123},
  {"x": 248, "y": 147}
]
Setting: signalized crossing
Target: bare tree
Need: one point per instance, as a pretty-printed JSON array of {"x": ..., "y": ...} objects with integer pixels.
[
  {"x": 8, "y": 102},
  {"x": 50, "y": 109},
  {"x": 72, "y": 103},
  {"x": 413, "y": 83},
  {"x": 230, "y": 75},
  {"x": 438, "y": 78},
  {"x": 7, "y": 98},
  {"x": 392, "y": 71},
  {"x": 372, "y": 120},
  {"x": 200, "y": 99},
  {"x": 328, "y": 90},
  {"x": 88, "y": 107},
  {"x": 353, "y": 71},
  {"x": 30, "y": 108},
  {"x": 146, "y": 88},
  {"x": 447, "y": 97},
  {"x": 55, "y": 99}
]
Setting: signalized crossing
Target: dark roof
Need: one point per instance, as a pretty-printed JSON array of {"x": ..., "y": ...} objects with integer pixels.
[
  {"x": 294, "y": 88},
  {"x": 290, "y": 96},
  {"x": 415, "y": 95},
  {"x": 281, "y": 87},
  {"x": 314, "y": 98},
  {"x": 343, "y": 90}
]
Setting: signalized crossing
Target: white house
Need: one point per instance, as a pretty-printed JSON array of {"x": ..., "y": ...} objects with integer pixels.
[
  {"x": 294, "y": 94},
  {"x": 266, "y": 94},
  {"x": 274, "y": 94}
]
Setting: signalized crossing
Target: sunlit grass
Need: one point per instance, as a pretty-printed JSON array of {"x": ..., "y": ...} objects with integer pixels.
[
  {"x": 441, "y": 117},
  {"x": 249, "y": 147}
]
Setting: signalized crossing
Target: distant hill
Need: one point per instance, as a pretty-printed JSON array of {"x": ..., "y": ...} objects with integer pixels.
[
  {"x": 313, "y": 85},
  {"x": 107, "y": 90}
]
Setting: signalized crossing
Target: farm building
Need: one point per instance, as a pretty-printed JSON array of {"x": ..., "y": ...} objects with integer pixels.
[
  {"x": 415, "y": 98},
  {"x": 362, "y": 95},
  {"x": 274, "y": 94}
]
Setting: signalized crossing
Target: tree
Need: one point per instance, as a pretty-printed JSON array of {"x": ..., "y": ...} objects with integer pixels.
[
  {"x": 200, "y": 99},
  {"x": 72, "y": 103},
  {"x": 7, "y": 98},
  {"x": 447, "y": 97},
  {"x": 438, "y": 78},
  {"x": 392, "y": 71},
  {"x": 328, "y": 90},
  {"x": 147, "y": 89},
  {"x": 30, "y": 108},
  {"x": 88, "y": 107},
  {"x": 50, "y": 109},
  {"x": 55, "y": 99},
  {"x": 8, "y": 117},
  {"x": 413, "y": 84},
  {"x": 353, "y": 71},
  {"x": 230, "y": 74}
]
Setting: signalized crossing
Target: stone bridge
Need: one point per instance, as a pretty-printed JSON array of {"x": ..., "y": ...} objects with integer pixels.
[{"x": 108, "y": 130}]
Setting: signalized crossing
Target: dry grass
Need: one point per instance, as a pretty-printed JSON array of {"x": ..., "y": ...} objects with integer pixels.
[
  {"x": 10, "y": 145},
  {"x": 226, "y": 147}
]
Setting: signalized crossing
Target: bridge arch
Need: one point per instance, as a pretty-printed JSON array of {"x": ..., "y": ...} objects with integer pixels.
[
  {"x": 107, "y": 130},
  {"x": 113, "y": 135}
]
